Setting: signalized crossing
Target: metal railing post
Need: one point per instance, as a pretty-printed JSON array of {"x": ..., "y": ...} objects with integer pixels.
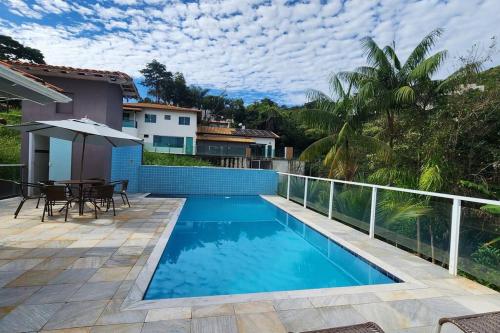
[
  {"x": 373, "y": 210},
  {"x": 454, "y": 236},
  {"x": 330, "y": 202},
  {"x": 288, "y": 188},
  {"x": 305, "y": 192}
]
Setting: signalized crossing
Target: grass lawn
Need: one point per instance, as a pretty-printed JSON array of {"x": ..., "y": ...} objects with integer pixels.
[
  {"x": 10, "y": 140},
  {"x": 172, "y": 160}
]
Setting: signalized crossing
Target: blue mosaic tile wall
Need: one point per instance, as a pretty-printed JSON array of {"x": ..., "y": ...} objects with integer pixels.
[
  {"x": 126, "y": 164},
  {"x": 206, "y": 180}
]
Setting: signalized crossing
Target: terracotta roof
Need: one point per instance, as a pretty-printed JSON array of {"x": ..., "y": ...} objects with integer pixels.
[
  {"x": 165, "y": 107},
  {"x": 224, "y": 138},
  {"x": 131, "y": 108},
  {"x": 215, "y": 130},
  {"x": 32, "y": 77},
  {"x": 256, "y": 133},
  {"x": 124, "y": 80},
  {"x": 240, "y": 132}
]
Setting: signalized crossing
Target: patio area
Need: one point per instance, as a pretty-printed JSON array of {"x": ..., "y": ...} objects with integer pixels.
[{"x": 75, "y": 276}]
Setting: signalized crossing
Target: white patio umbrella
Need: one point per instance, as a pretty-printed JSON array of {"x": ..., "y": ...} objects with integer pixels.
[{"x": 79, "y": 130}]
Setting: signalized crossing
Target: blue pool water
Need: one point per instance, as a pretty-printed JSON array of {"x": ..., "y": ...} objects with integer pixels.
[{"x": 243, "y": 244}]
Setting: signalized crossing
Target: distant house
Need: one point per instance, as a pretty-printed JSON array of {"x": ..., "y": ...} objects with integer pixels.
[
  {"x": 235, "y": 142},
  {"x": 227, "y": 123},
  {"x": 164, "y": 128},
  {"x": 95, "y": 94}
]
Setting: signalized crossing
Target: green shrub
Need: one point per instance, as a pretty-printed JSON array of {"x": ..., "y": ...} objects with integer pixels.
[
  {"x": 151, "y": 158},
  {"x": 10, "y": 140}
]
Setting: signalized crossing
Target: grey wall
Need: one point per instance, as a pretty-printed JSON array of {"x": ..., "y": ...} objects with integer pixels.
[
  {"x": 99, "y": 101},
  {"x": 223, "y": 148}
]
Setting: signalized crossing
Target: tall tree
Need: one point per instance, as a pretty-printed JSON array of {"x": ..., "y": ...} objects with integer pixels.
[
  {"x": 180, "y": 90},
  {"x": 197, "y": 95},
  {"x": 340, "y": 117},
  {"x": 11, "y": 49},
  {"x": 387, "y": 85},
  {"x": 156, "y": 78}
]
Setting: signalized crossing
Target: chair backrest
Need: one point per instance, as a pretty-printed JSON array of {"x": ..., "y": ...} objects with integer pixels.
[
  {"x": 24, "y": 188},
  {"x": 101, "y": 181},
  {"x": 55, "y": 193},
  {"x": 124, "y": 185},
  {"x": 104, "y": 191}
]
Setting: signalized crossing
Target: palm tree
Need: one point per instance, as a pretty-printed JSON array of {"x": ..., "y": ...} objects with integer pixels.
[
  {"x": 389, "y": 86},
  {"x": 340, "y": 117}
]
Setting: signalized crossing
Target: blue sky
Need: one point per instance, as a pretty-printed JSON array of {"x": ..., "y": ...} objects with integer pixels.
[{"x": 247, "y": 48}]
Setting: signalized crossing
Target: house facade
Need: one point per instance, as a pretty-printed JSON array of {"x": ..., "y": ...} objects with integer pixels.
[
  {"x": 164, "y": 128},
  {"x": 235, "y": 142},
  {"x": 95, "y": 94}
]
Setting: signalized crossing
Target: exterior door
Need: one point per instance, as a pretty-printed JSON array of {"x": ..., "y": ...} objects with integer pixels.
[
  {"x": 60, "y": 159},
  {"x": 189, "y": 146}
]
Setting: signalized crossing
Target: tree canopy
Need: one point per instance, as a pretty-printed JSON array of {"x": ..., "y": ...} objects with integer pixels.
[{"x": 11, "y": 49}]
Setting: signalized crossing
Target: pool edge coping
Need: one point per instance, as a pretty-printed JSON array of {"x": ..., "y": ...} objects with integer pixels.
[{"x": 135, "y": 301}]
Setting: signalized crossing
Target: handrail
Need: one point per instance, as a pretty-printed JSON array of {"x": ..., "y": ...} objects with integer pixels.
[
  {"x": 399, "y": 189},
  {"x": 12, "y": 165},
  {"x": 455, "y": 212}
]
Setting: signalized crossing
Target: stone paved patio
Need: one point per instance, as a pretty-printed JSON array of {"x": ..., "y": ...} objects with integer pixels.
[{"x": 75, "y": 276}]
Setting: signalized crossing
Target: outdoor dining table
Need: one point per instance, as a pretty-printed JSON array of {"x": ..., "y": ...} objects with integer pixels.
[{"x": 80, "y": 183}]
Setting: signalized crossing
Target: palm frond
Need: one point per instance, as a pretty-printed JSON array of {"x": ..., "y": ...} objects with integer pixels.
[
  {"x": 372, "y": 145},
  {"x": 374, "y": 55},
  {"x": 318, "y": 149},
  {"x": 404, "y": 94},
  {"x": 392, "y": 176},
  {"x": 336, "y": 86},
  {"x": 421, "y": 50},
  {"x": 322, "y": 119},
  {"x": 392, "y": 211},
  {"x": 330, "y": 156},
  {"x": 428, "y": 67},
  {"x": 430, "y": 178},
  {"x": 391, "y": 53},
  {"x": 313, "y": 95}
]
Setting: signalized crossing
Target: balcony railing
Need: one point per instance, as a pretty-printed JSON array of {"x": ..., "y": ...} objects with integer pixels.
[
  {"x": 10, "y": 172},
  {"x": 461, "y": 233},
  {"x": 169, "y": 150},
  {"x": 129, "y": 123}
]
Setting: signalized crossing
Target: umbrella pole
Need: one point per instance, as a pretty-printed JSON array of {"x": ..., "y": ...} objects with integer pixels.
[{"x": 83, "y": 155}]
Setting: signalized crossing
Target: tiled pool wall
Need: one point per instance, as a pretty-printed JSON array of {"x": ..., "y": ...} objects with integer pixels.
[
  {"x": 188, "y": 180},
  {"x": 125, "y": 163}
]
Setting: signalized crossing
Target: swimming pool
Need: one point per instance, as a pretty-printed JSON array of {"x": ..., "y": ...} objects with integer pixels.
[{"x": 244, "y": 244}]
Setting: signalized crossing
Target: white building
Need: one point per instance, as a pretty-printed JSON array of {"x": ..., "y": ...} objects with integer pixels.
[
  {"x": 164, "y": 128},
  {"x": 219, "y": 141}
]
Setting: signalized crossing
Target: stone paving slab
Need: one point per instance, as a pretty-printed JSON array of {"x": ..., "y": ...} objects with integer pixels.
[{"x": 77, "y": 276}]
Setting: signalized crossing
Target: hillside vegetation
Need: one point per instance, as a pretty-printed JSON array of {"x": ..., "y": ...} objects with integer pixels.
[{"x": 10, "y": 140}]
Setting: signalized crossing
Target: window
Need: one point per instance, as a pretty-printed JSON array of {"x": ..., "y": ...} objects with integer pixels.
[
  {"x": 168, "y": 141},
  {"x": 66, "y": 108},
  {"x": 167, "y": 117},
  {"x": 184, "y": 120},
  {"x": 150, "y": 118},
  {"x": 146, "y": 136}
]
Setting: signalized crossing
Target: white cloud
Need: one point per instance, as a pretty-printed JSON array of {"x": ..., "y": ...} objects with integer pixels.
[
  {"x": 246, "y": 45},
  {"x": 19, "y": 7}
]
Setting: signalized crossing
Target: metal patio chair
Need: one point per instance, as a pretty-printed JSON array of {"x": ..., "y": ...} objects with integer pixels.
[
  {"x": 488, "y": 322},
  {"x": 44, "y": 183},
  {"x": 368, "y": 327},
  {"x": 28, "y": 191},
  {"x": 122, "y": 191},
  {"x": 55, "y": 195},
  {"x": 104, "y": 194}
]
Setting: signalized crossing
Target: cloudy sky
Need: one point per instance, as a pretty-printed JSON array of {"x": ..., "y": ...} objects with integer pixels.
[{"x": 249, "y": 48}]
